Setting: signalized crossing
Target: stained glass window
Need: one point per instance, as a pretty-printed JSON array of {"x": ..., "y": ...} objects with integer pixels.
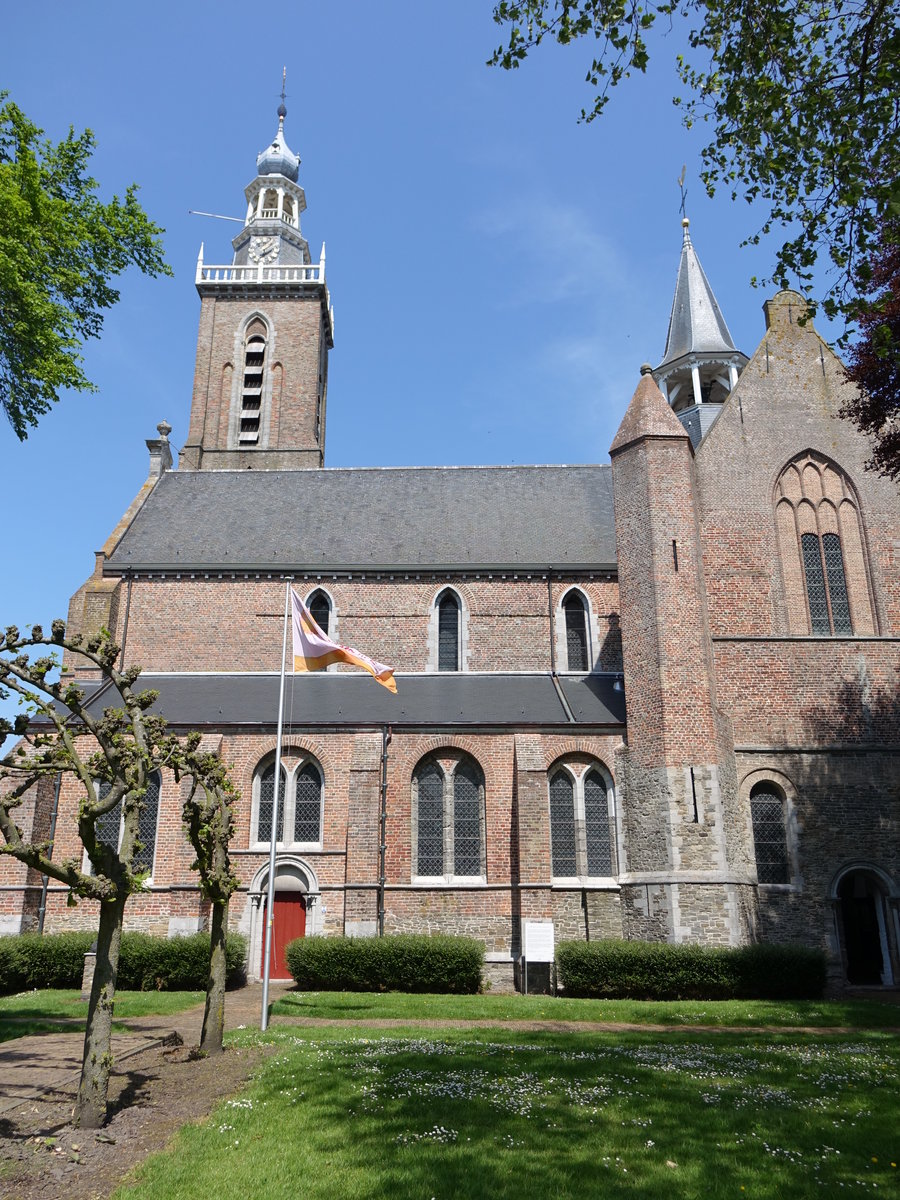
[
  {"x": 562, "y": 825},
  {"x": 466, "y": 820},
  {"x": 815, "y": 584},
  {"x": 109, "y": 826},
  {"x": 307, "y": 805},
  {"x": 596, "y": 826},
  {"x": 448, "y": 633},
  {"x": 769, "y": 839},
  {"x": 576, "y": 633},
  {"x": 143, "y": 859},
  {"x": 837, "y": 583},
  {"x": 266, "y": 801},
  {"x": 430, "y": 840}
]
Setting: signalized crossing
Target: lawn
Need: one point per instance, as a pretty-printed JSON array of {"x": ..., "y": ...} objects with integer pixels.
[
  {"x": 496, "y": 1114},
  {"x": 366, "y": 1006},
  {"x": 57, "y": 1011}
]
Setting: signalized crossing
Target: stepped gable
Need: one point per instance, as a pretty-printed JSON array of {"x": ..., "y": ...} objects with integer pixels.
[{"x": 367, "y": 518}]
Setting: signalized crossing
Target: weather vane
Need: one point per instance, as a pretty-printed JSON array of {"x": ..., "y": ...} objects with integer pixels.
[
  {"x": 680, "y": 182},
  {"x": 283, "y": 83}
]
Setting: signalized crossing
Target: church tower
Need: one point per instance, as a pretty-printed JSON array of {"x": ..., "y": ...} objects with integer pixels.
[
  {"x": 700, "y": 365},
  {"x": 266, "y": 326}
]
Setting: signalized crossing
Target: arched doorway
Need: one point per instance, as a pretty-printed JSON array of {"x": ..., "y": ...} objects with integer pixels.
[
  {"x": 290, "y": 923},
  {"x": 865, "y": 929},
  {"x": 296, "y": 912}
]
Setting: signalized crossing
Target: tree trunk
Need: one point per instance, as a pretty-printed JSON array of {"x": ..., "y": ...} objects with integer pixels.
[
  {"x": 214, "y": 1013},
  {"x": 90, "y": 1106}
]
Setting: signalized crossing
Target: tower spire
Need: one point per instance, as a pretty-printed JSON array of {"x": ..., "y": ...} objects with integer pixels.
[{"x": 700, "y": 364}]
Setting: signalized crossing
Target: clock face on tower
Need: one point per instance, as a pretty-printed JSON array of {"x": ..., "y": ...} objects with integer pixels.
[{"x": 263, "y": 250}]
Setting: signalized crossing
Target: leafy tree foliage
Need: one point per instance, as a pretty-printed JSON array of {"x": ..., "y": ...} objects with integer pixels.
[
  {"x": 802, "y": 97},
  {"x": 59, "y": 248},
  {"x": 112, "y": 757},
  {"x": 873, "y": 362}
]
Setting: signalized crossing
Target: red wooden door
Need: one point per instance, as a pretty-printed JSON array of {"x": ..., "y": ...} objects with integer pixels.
[{"x": 290, "y": 923}]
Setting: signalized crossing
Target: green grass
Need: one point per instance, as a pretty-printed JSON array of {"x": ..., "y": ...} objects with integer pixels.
[
  {"x": 365, "y": 1006},
  {"x": 56, "y": 1011},
  {"x": 573, "y": 1116}
]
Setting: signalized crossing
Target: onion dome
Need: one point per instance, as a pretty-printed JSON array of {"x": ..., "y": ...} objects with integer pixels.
[{"x": 278, "y": 158}]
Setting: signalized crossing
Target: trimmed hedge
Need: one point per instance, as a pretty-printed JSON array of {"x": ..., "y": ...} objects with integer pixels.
[
  {"x": 659, "y": 971},
  {"x": 178, "y": 964},
  {"x": 33, "y": 960},
  {"x": 397, "y": 963},
  {"x": 56, "y": 960}
]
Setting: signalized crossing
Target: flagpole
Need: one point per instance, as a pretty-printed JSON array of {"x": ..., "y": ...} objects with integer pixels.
[{"x": 270, "y": 900}]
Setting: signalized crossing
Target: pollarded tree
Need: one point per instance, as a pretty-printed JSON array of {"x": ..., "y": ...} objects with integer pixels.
[
  {"x": 208, "y": 820},
  {"x": 801, "y": 96},
  {"x": 112, "y": 756}
]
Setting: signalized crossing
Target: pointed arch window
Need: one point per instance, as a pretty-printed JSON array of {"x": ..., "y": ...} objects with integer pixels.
[
  {"x": 448, "y": 818},
  {"x": 320, "y": 607},
  {"x": 575, "y": 612},
  {"x": 448, "y": 632},
  {"x": 767, "y": 805},
  {"x": 822, "y": 550},
  {"x": 582, "y": 822}
]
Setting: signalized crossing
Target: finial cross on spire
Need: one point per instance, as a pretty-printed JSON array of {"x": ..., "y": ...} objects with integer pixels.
[{"x": 282, "y": 111}]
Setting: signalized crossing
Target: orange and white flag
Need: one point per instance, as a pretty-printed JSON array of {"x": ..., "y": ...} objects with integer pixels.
[{"x": 314, "y": 650}]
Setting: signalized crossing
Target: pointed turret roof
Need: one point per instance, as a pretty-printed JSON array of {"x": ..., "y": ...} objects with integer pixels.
[
  {"x": 696, "y": 324},
  {"x": 648, "y": 415}
]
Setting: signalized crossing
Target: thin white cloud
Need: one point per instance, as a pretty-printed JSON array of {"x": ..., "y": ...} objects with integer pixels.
[{"x": 563, "y": 251}]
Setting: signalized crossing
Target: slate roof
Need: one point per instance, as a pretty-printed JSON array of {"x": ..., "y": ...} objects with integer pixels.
[
  {"x": 696, "y": 323},
  {"x": 343, "y": 699},
  {"x": 365, "y": 518}
]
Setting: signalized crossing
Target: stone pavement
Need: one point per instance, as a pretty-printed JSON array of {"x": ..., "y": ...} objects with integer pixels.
[{"x": 48, "y": 1066}]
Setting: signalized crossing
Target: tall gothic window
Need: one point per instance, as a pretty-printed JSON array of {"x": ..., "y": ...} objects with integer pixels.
[
  {"x": 265, "y": 806},
  {"x": 562, "y": 825},
  {"x": 826, "y": 584},
  {"x": 582, "y": 823},
  {"x": 822, "y": 550},
  {"x": 448, "y": 632},
  {"x": 320, "y": 607},
  {"x": 576, "y": 632},
  {"x": 448, "y": 817},
  {"x": 299, "y": 804},
  {"x": 109, "y": 826},
  {"x": 769, "y": 834}
]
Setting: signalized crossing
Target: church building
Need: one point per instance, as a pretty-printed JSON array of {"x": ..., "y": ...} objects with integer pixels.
[{"x": 655, "y": 698}]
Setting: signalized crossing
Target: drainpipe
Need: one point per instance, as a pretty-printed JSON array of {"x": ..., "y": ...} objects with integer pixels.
[
  {"x": 550, "y": 615},
  {"x": 45, "y": 879},
  {"x": 382, "y": 837},
  {"x": 125, "y": 622}
]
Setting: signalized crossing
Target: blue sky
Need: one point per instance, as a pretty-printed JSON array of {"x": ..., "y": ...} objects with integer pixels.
[{"x": 499, "y": 272}]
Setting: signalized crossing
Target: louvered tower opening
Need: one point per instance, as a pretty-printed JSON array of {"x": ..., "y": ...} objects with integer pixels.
[{"x": 252, "y": 389}]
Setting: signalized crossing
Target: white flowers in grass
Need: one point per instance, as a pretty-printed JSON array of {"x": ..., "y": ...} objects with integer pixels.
[{"x": 437, "y": 1133}]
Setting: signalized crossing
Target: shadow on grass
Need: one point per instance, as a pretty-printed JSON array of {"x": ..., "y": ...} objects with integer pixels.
[{"x": 574, "y": 1116}]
